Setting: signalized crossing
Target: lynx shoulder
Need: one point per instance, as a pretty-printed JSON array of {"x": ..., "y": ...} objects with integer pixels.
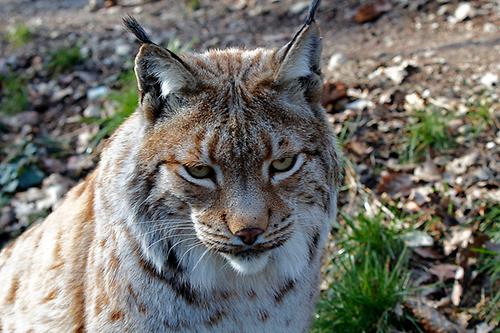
[{"x": 208, "y": 211}]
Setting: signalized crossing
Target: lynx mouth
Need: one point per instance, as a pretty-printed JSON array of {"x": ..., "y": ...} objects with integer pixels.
[
  {"x": 249, "y": 253},
  {"x": 248, "y": 262}
]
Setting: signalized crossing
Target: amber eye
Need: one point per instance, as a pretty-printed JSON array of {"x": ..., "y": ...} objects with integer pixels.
[
  {"x": 199, "y": 171},
  {"x": 283, "y": 164}
]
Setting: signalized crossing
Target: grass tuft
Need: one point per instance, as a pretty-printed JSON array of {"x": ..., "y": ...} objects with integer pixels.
[
  {"x": 489, "y": 263},
  {"x": 370, "y": 281},
  {"x": 193, "y": 5},
  {"x": 64, "y": 59},
  {"x": 19, "y": 35},
  {"x": 429, "y": 132},
  {"x": 14, "y": 94}
]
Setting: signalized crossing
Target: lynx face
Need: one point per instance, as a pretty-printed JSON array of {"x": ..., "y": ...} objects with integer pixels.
[{"x": 238, "y": 140}]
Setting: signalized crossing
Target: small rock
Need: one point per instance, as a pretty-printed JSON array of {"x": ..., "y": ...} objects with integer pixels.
[
  {"x": 123, "y": 49},
  {"x": 336, "y": 60},
  {"x": 299, "y": 7},
  {"x": 360, "y": 104},
  {"x": 417, "y": 238},
  {"x": 77, "y": 164},
  {"x": 489, "y": 80},
  {"x": 484, "y": 328},
  {"x": 24, "y": 118},
  {"x": 53, "y": 165},
  {"x": 414, "y": 102},
  {"x": 54, "y": 187},
  {"x": 396, "y": 74},
  {"x": 463, "y": 11},
  {"x": 489, "y": 27},
  {"x": 92, "y": 111},
  {"x": 97, "y": 93},
  {"x": 460, "y": 165},
  {"x": 421, "y": 194},
  {"x": 83, "y": 141},
  {"x": 30, "y": 195},
  {"x": 61, "y": 94}
]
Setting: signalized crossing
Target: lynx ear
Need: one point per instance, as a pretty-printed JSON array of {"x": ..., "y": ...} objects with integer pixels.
[
  {"x": 300, "y": 58},
  {"x": 160, "y": 72}
]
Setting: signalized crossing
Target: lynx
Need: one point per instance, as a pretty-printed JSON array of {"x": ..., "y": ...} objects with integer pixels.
[{"x": 208, "y": 211}]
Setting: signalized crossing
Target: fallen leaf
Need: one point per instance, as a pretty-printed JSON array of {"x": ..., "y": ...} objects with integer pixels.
[
  {"x": 395, "y": 184},
  {"x": 332, "y": 92},
  {"x": 456, "y": 293},
  {"x": 427, "y": 252},
  {"x": 431, "y": 319},
  {"x": 444, "y": 271},
  {"x": 371, "y": 11},
  {"x": 359, "y": 148},
  {"x": 484, "y": 328},
  {"x": 427, "y": 172},
  {"x": 460, "y": 237}
]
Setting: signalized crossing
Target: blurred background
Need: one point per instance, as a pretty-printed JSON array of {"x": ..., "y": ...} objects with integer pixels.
[{"x": 411, "y": 88}]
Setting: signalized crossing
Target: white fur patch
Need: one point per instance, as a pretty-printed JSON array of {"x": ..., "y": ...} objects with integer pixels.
[{"x": 248, "y": 266}]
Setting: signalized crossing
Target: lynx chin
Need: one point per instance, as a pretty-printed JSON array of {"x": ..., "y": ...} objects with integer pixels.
[{"x": 208, "y": 211}]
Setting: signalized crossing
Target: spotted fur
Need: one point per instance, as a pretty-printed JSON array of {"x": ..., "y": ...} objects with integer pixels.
[{"x": 142, "y": 246}]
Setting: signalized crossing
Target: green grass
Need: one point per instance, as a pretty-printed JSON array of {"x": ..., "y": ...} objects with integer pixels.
[
  {"x": 193, "y": 5},
  {"x": 429, "y": 132},
  {"x": 14, "y": 94},
  {"x": 64, "y": 59},
  {"x": 489, "y": 263},
  {"x": 19, "y": 35},
  {"x": 479, "y": 118},
  {"x": 370, "y": 281}
]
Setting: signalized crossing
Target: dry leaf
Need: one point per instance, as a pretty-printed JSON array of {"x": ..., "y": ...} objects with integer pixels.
[
  {"x": 456, "y": 293},
  {"x": 460, "y": 237},
  {"x": 431, "y": 319},
  {"x": 371, "y": 11},
  {"x": 359, "y": 148},
  {"x": 395, "y": 184},
  {"x": 427, "y": 172},
  {"x": 332, "y": 92},
  {"x": 427, "y": 252},
  {"x": 444, "y": 271}
]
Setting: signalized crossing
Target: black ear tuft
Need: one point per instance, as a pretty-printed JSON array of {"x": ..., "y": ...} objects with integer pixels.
[
  {"x": 312, "y": 11},
  {"x": 134, "y": 27}
]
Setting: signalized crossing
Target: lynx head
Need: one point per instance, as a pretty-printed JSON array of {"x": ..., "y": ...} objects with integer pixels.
[{"x": 236, "y": 144}]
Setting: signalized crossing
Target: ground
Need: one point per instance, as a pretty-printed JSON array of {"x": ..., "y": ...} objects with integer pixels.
[{"x": 411, "y": 88}]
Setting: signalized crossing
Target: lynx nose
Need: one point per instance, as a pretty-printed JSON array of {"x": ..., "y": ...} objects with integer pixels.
[{"x": 249, "y": 235}]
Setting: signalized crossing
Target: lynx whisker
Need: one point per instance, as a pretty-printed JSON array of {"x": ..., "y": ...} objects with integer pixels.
[{"x": 201, "y": 257}]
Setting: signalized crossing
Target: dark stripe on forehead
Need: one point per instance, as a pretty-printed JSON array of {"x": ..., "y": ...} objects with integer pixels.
[
  {"x": 268, "y": 145},
  {"x": 212, "y": 145}
]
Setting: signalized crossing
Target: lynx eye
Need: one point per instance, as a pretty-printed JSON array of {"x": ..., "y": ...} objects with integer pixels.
[
  {"x": 284, "y": 164},
  {"x": 199, "y": 171}
]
